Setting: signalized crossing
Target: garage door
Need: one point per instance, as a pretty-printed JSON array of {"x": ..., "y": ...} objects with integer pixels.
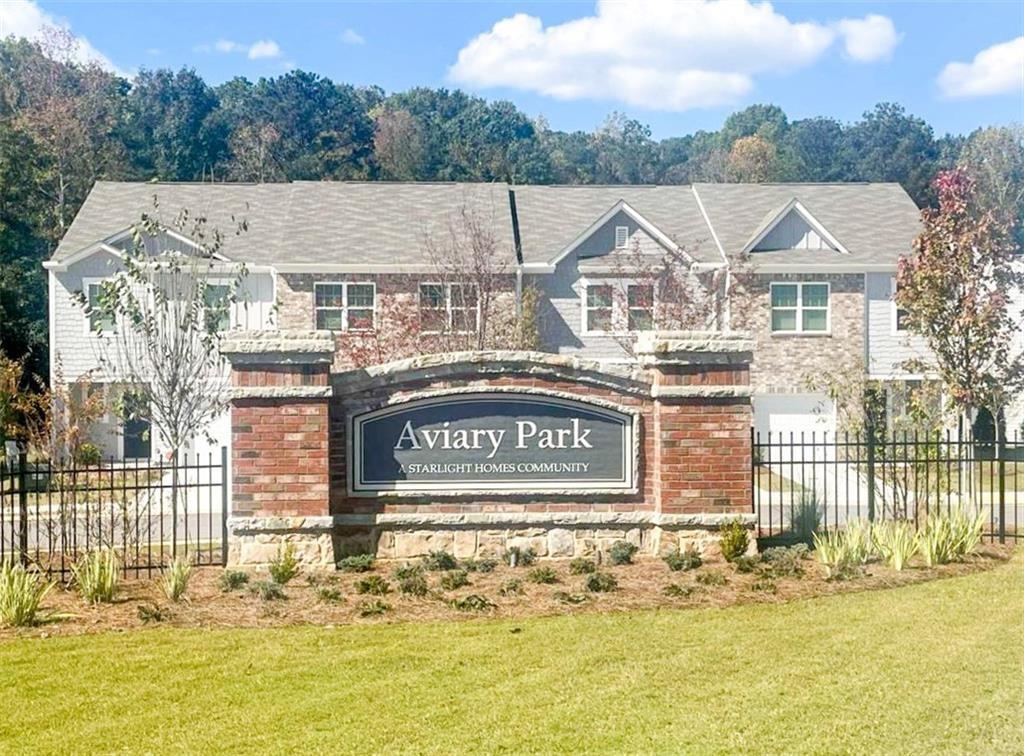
[{"x": 798, "y": 425}]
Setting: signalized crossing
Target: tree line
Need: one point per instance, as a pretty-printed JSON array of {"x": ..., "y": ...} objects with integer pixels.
[{"x": 64, "y": 125}]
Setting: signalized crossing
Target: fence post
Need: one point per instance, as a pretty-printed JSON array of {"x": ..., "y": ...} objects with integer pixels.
[
  {"x": 870, "y": 428},
  {"x": 23, "y": 507},
  {"x": 1001, "y": 455},
  {"x": 224, "y": 505}
]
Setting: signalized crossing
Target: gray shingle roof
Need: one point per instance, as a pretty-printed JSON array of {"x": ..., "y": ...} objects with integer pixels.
[
  {"x": 876, "y": 223},
  {"x": 381, "y": 223}
]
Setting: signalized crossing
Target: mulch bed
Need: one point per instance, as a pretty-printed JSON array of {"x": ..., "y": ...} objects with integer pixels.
[{"x": 640, "y": 586}]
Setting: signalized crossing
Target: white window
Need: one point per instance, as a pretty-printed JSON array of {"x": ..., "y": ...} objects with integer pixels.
[
  {"x": 640, "y": 301},
  {"x": 800, "y": 308},
  {"x": 97, "y": 321},
  {"x": 452, "y": 308},
  {"x": 899, "y": 315},
  {"x": 621, "y": 237},
  {"x": 218, "y": 306},
  {"x": 344, "y": 306},
  {"x": 597, "y": 308}
]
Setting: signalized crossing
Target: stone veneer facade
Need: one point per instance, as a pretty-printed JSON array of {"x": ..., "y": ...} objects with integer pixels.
[{"x": 290, "y": 420}]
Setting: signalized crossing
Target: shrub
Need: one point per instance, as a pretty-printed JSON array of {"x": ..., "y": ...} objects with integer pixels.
[
  {"x": 21, "y": 593},
  {"x": 374, "y": 585},
  {"x": 414, "y": 585},
  {"x": 675, "y": 590},
  {"x": 734, "y": 540},
  {"x": 745, "y": 563},
  {"x": 712, "y": 578},
  {"x": 967, "y": 531},
  {"x": 175, "y": 577},
  {"x": 783, "y": 561},
  {"x": 621, "y": 552},
  {"x": 511, "y": 587},
  {"x": 88, "y": 454},
  {"x": 374, "y": 608},
  {"x": 683, "y": 560},
  {"x": 484, "y": 564},
  {"x": 440, "y": 560},
  {"x": 98, "y": 576},
  {"x": 570, "y": 598},
  {"x": 544, "y": 575},
  {"x": 806, "y": 518},
  {"x": 518, "y": 557},
  {"x": 406, "y": 571},
  {"x": 328, "y": 594},
  {"x": 356, "y": 563},
  {"x": 765, "y": 585},
  {"x": 151, "y": 613},
  {"x": 267, "y": 590},
  {"x": 232, "y": 580},
  {"x": 474, "y": 602},
  {"x": 895, "y": 541},
  {"x": 581, "y": 566},
  {"x": 600, "y": 582},
  {"x": 832, "y": 549},
  {"x": 454, "y": 579},
  {"x": 285, "y": 565}
]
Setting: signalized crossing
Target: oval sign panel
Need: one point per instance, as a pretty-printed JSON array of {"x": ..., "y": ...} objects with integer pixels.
[{"x": 492, "y": 442}]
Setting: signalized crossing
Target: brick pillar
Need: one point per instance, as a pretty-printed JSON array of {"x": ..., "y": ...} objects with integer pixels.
[
  {"x": 702, "y": 458},
  {"x": 280, "y": 475}
]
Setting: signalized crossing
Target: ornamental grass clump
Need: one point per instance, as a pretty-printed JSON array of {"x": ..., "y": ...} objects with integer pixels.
[
  {"x": 679, "y": 561},
  {"x": 895, "y": 541},
  {"x": 232, "y": 580},
  {"x": 356, "y": 563},
  {"x": 414, "y": 585},
  {"x": 857, "y": 534},
  {"x": 581, "y": 566},
  {"x": 474, "y": 602},
  {"x": 622, "y": 552},
  {"x": 285, "y": 566},
  {"x": 542, "y": 575},
  {"x": 938, "y": 541},
  {"x": 511, "y": 587},
  {"x": 328, "y": 594},
  {"x": 374, "y": 585},
  {"x": 98, "y": 576},
  {"x": 967, "y": 530},
  {"x": 454, "y": 579},
  {"x": 267, "y": 590},
  {"x": 21, "y": 593},
  {"x": 733, "y": 540},
  {"x": 374, "y": 608},
  {"x": 406, "y": 571},
  {"x": 832, "y": 550},
  {"x": 175, "y": 577}
]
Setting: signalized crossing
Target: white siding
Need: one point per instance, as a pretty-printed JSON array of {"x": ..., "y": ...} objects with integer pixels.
[
  {"x": 887, "y": 349},
  {"x": 793, "y": 232}
]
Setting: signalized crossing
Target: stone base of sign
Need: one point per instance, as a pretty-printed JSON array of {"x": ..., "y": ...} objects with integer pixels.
[{"x": 320, "y": 541}]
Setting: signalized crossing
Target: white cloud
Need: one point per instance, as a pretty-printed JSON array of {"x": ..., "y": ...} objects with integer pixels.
[
  {"x": 658, "y": 54},
  {"x": 998, "y": 69},
  {"x": 352, "y": 37},
  {"x": 262, "y": 49},
  {"x": 870, "y": 38},
  {"x": 24, "y": 18}
]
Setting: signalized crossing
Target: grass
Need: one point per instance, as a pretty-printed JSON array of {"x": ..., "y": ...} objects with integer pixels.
[
  {"x": 929, "y": 668},
  {"x": 769, "y": 480}
]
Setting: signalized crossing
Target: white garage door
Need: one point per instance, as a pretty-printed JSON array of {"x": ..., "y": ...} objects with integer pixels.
[{"x": 781, "y": 418}]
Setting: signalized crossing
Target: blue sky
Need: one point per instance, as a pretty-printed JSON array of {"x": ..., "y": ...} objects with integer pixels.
[{"x": 678, "y": 67}]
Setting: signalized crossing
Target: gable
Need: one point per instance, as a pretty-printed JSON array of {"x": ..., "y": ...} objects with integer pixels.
[
  {"x": 602, "y": 240},
  {"x": 793, "y": 232}
]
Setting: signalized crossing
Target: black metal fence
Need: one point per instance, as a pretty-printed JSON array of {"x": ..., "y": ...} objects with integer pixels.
[
  {"x": 148, "y": 511},
  {"x": 803, "y": 481}
]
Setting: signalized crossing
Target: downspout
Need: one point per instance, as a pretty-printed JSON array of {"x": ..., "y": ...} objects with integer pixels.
[{"x": 517, "y": 240}]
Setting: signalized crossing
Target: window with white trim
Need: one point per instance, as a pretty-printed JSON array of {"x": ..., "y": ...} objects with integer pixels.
[
  {"x": 899, "y": 315},
  {"x": 218, "y": 306},
  {"x": 598, "y": 308},
  {"x": 98, "y": 321},
  {"x": 452, "y": 308},
  {"x": 344, "y": 306},
  {"x": 800, "y": 307},
  {"x": 640, "y": 301},
  {"x": 621, "y": 237}
]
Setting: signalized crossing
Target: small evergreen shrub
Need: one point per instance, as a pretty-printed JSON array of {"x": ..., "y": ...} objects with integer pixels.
[
  {"x": 406, "y": 571},
  {"x": 414, "y": 585},
  {"x": 565, "y": 597},
  {"x": 581, "y": 566},
  {"x": 356, "y": 563},
  {"x": 175, "y": 577},
  {"x": 374, "y": 608},
  {"x": 511, "y": 587},
  {"x": 373, "y": 585},
  {"x": 285, "y": 565},
  {"x": 474, "y": 602},
  {"x": 98, "y": 575},
  {"x": 543, "y": 575},
  {"x": 712, "y": 578},
  {"x": 151, "y": 613},
  {"x": 484, "y": 564},
  {"x": 745, "y": 564},
  {"x": 683, "y": 560},
  {"x": 675, "y": 590},
  {"x": 734, "y": 540},
  {"x": 436, "y": 561},
  {"x": 518, "y": 557},
  {"x": 232, "y": 580},
  {"x": 621, "y": 552},
  {"x": 454, "y": 579},
  {"x": 785, "y": 561},
  {"x": 267, "y": 590},
  {"x": 328, "y": 594},
  {"x": 600, "y": 582},
  {"x": 21, "y": 593}
]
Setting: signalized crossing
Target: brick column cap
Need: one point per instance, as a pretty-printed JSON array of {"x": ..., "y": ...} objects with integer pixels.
[{"x": 694, "y": 347}]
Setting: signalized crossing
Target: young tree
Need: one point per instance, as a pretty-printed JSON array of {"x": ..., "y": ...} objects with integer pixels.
[{"x": 955, "y": 289}]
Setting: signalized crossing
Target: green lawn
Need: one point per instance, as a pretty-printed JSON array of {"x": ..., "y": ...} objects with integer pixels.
[{"x": 932, "y": 668}]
